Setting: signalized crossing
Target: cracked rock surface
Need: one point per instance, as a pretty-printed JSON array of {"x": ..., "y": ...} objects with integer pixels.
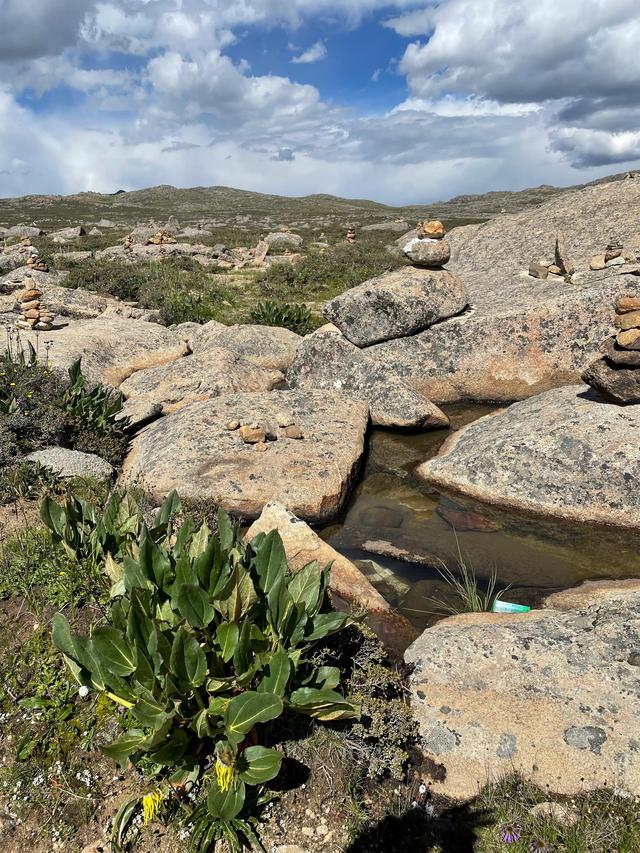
[{"x": 552, "y": 694}]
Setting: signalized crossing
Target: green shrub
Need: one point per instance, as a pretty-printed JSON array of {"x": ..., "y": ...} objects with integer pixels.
[
  {"x": 105, "y": 276},
  {"x": 91, "y": 414},
  {"x": 207, "y": 639},
  {"x": 38, "y": 409},
  {"x": 178, "y": 287},
  {"x": 328, "y": 273},
  {"x": 297, "y": 318}
]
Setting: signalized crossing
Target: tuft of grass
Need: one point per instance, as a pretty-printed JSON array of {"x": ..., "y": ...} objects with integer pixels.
[
  {"x": 467, "y": 595},
  {"x": 41, "y": 572},
  {"x": 592, "y": 822}
]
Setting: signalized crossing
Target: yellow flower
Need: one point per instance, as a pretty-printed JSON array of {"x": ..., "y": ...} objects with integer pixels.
[
  {"x": 151, "y": 805},
  {"x": 224, "y": 775}
]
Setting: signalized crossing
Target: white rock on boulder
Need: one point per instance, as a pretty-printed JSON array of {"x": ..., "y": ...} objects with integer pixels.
[{"x": 67, "y": 463}]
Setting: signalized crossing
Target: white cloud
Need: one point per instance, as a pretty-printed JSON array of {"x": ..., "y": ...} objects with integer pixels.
[
  {"x": 500, "y": 93},
  {"x": 312, "y": 54}
]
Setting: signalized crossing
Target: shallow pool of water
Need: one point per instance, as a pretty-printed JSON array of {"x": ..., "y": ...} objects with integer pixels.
[{"x": 398, "y": 530}]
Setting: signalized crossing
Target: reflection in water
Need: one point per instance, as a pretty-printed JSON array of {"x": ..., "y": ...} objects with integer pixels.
[{"x": 398, "y": 529}]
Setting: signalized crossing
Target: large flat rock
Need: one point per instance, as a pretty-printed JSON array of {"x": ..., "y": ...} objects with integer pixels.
[
  {"x": 507, "y": 244},
  {"x": 111, "y": 347},
  {"x": 567, "y": 454},
  {"x": 198, "y": 377},
  {"x": 396, "y": 304},
  {"x": 553, "y": 694},
  {"x": 192, "y": 451},
  {"x": 327, "y": 360},
  {"x": 522, "y": 335}
]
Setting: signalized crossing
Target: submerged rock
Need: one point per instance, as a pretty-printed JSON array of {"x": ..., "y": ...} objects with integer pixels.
[
  {"x": 326, "y": 359},
  {"x": 347, "y": 582},
  {"x": 396, "y": 304},
  {"x": 552, "y": 694},
  {"x": 564, "y": 454},
  {"x": 193, "y": 451}
]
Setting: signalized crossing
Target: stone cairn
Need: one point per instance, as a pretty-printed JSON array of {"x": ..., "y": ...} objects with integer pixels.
[
  {"x": 351, "y": 234},
  {"x": 614, "y": 256},
  {"x": 161, "y": 238},
  {"x": 33, "y": 314},
  {"x": 259, "y": 433},
  {"x": 428, "y": 248},
  {"x": 127, "y": 242},
  {"x": 561, "y": 267},
  {"x": 617, "y": 374}
]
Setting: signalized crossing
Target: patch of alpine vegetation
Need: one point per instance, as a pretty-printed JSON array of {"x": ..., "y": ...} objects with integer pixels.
[
  {"x": 205, "y": 641},
  {"x": 45, "y": 420}
]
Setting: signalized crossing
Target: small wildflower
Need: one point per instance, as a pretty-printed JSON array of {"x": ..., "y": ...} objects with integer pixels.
[
  {"x": 151, "y": 804},
  {"x": 539, "y": 845},
  {"x": 510, "y": 833}
]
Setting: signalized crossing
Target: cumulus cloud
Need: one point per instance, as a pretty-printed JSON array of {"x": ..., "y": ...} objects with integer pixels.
[
  {"x": 314, "y": 53},
  {"x": 577, "y": 54},
  {"x": 500, "y": 93}
]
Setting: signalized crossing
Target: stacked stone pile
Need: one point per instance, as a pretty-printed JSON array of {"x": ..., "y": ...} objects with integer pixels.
[
  {"x": 405, "y": 301},
  {"x": 33, "y": 314},
  {"x": 560, "y": 267},
  {"x": 161, "y": 238},
  {"x": 351, "y": 234},
  {"x": 428, "y": 248},
  {"x": 35, "y": 262},
  {"x": 617, "y": 374},
  {"x": 259, "y": 433},
  {"x": 127, "y": 242},
  {"x": 614, "y": 255}
]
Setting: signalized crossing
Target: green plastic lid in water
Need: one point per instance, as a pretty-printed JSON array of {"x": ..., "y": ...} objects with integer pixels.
[{"x": 509, "y": 607}]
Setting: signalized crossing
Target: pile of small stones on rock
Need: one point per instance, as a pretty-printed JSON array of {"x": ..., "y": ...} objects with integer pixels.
[
  {"x": 562, "y": 267},
  {"x": 127, "y": 242},
  {"x": 351, "y": 234},
  {"x": 259, "y": 433},
  {"x": 617, "y": 374},
  {"x": 162, "y": 238},
  {"x": 428, "y": 248},
  {"x": 614, "y": 255},
  {"x": 33, "y": 315}
]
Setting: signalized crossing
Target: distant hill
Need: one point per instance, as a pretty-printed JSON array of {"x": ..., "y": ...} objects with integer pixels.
[{"x": 225, "y": 206}]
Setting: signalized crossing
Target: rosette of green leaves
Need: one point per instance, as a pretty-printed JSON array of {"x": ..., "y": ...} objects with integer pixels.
[{"x": 208, "y": 639}]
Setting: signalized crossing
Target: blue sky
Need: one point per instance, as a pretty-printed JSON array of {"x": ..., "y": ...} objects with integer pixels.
[{"x": 404, "y": 101}]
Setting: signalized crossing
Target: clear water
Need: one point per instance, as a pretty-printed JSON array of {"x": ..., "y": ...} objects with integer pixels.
[{"x": 391, "y": 510}]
